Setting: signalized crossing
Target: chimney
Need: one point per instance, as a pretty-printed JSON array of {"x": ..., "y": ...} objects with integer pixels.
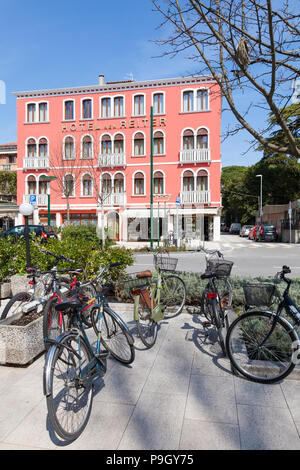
[{"x": 101, "y": 79}]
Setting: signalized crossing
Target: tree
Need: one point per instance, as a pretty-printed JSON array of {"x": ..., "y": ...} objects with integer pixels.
[{"x": 249, "y": 45}]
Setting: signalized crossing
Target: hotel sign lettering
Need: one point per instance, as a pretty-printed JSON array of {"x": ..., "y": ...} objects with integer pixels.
[{"x": 124, "y": 124}]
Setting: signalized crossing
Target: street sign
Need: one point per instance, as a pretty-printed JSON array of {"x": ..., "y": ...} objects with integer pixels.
[
  {"x": 32, "y": 198},
  {"x": 178, "y": 201}
]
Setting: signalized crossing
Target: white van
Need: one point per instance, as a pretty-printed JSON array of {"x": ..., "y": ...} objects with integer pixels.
[{"x": 235, "y": 228}]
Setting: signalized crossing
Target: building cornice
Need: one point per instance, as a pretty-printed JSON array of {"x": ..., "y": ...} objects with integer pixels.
[{"x": 117, "y": 86}]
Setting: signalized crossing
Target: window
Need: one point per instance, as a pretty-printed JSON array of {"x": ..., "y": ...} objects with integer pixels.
[
  {"x": 188, "y": 181},
  {"x": 43, "y": 112},
  {"x": 106, "y": 144},
  {"x": 202, "y": 181},
  {"x": 188, "y": 101},
  {"x": 106, "y": 184},
  {"x": 69, "y": 186},
  {"x": 43, "y": 187},
  {"x": 202, "y": 139},
  {"x": 158, "y": 143},
  {"x": 87, "y": 185},
  {"x": 31, "y": 185},
  {"x": 69, "y": 110},
  {"x": 119, "y": 183},
  {"x": 87, "y": 109},
  {"x": 105, "y": 108},
  {"x": 118, "y": 106},
  {"x": 139, "y": 144},
  {"x": 188, "y": 139},
  {"x": 31, "y": 113},
  {"x": 158, "y": 182},
  {"x": 43, "y": 147},
  {"x": 139, "y": 105},
  {"x": 118, "y": 144},
  {"x": 202, "y": 100},
  {"x": 87, "y": 147},
  {"x": 158, "y": 103},
  {"x": 31, "y": 148},
  {"x": 69, "y": 148},
  {"x": 139, "y": 184}
]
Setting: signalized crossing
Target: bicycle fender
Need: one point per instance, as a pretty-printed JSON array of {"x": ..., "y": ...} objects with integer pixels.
[{"x": 126, "y": 329}]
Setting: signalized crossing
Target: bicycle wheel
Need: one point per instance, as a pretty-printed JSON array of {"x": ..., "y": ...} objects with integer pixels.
[
  {"x": 205, "y": 307},
  {"x": 217, "y": 321},
  {"x": 173, "y": 295},
  {"x": 225, "y": 292},
  {"x": 16, "y": 304},
  {"x": 87, "y": 290},
  {"x": 69, "y": 395},
  {"x": 255, "y": 355},
  {"x": 146, "y": 326},
  {"x": 53, "y": 322},
  {"x": 114, "y": 335}
]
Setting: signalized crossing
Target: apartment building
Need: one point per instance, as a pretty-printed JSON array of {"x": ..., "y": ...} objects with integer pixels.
[{"x": 88, "y": 148}]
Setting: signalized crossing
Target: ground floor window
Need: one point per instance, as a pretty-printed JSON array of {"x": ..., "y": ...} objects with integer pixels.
[{"x": 81, "y": 219}]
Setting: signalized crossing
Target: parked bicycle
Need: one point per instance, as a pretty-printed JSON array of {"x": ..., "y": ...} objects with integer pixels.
[
  {"x": 72, "y": 366},
  {"x": 264, "y": 345}
]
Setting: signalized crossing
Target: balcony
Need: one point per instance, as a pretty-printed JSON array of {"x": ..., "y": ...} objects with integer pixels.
[
  {"x": 42, "y": 199},
  {"x": 115, "y": 199},
  {"x": 195, "y": 156},
  {"x": 35, "y": 163},
  {"x": 112, "y": 160},
  {"x": 195, "y": 197}
]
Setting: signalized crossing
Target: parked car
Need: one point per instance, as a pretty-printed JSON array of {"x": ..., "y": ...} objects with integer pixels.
[
  {"x": 267, "y": 233},
  {"x": 235, "y": 228},
  {"x": 245, "y": 230},
  {"x": 224, "y": 227},
  {"x": 252, "y": 233},
  {"x": 45, "y": 231}
]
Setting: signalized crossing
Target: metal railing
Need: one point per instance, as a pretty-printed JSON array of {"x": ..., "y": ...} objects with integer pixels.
[
  {"x": 112, "y": 159},
  {"x": 194, "y": 156},
  {"x": 195, "y": 197},
  {"x": 31, "y": 163}
]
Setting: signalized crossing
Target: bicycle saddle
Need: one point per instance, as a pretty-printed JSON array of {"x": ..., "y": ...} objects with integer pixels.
[
  {"x": 207, "y": 275},
  {"x": 72, "y": 303},
  {"x": 146, "y": 273}
]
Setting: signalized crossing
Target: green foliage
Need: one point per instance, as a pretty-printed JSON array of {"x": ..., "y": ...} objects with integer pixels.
[{"x": 8, "y": 182}]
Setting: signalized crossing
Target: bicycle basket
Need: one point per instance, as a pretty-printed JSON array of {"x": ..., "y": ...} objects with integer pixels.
[
  {"x": 133, "y": 283},
  {"x": 165, "y": 262},
  {"x": 220, "y": 267},
  {"x": 259, "y": 295}
]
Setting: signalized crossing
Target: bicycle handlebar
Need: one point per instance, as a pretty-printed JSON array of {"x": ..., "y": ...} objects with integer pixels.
[
  {"x": 212, "y": 252},
  {"x": 58, "y": 257}
]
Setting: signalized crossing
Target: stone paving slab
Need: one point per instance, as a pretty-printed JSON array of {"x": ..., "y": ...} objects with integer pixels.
[{"x": 180, "y": 394}]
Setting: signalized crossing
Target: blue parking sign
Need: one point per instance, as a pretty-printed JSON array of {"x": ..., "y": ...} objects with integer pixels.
[{"x": 32, "y": 199}]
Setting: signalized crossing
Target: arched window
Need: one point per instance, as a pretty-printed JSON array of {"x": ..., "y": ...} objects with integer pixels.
[
  {"x": 69, "y": 185},
  {"x": 69, "y": 148},
  {"x": 202, "y": 100},
  {"x": 118, "y": 144},
  {"x": 202, "y": 139},
  {"x": 106, "y": 184},
  {"x": 158, "y": 182},
  {"x": 139, "y": 144},
  {"x": 43, "y": 147},
  {"x": 188, "y": 181},
  {"x": 119, "y": 183},
  {"x": 188, "y": 139},
  {"x": 31, "y": 148},
  {"x": 139, "y": 184},
  {"x": 87, "y": 185},
  {"x": 87, "y": 147},
  {"x": 202, "y": 180},
  {"x": 31, "y": 185},
  {"x": 158, "y": 143},
  {"x": 106, "y": 144}
]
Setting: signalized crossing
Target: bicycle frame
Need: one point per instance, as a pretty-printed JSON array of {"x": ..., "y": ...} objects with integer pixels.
[{"x": 155, "y": 307}]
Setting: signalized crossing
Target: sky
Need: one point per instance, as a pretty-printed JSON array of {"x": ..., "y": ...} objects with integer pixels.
[{"x": 57, "y": 44}]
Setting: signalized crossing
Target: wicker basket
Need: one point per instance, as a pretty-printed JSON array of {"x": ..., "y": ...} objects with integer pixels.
[
  {"x": 259, "y": 295},
  {"x": 165, "y": 262},
  {"x": 220, "y": 267}
]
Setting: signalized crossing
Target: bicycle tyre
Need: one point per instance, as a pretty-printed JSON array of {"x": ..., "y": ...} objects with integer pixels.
[
  {"x": 53, "y": 322},
  {"x": 64, "y": 388},
  {"x": 114, "y": 336},
  {"x": 146, "y": 326},
  {"x": 225, "y": 292},
  {"x": 173, "y": 295},
  {"x": 88, "y": 290},
  {"x": 217, "y": 321},
  {"x": 23, "y": 297},
  {"x": 240, "y": 349}
]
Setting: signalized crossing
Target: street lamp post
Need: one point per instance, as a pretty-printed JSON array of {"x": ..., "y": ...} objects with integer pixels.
[
  {"x": 260, "y": 199},
  {"x": 48, "y": 179},
  {"x": 26, "y": 210}
]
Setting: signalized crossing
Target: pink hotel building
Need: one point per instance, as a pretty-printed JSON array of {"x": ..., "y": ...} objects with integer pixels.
[{"x": 99, "y": 138}]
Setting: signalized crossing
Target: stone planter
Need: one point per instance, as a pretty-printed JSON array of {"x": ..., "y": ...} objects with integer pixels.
[
  {"x": 5, "y": 290},
  {"x": 20, "y": 345},
  {"x": 19, "y": 283}
]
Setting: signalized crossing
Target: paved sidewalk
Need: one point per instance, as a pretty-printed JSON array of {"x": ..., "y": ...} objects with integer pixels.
[{"x": 180, "y": 394}]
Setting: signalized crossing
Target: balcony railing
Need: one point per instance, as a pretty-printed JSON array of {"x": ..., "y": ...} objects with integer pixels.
[
  {"x": 115, "y": 199},
  {"x": 41, "y": 199},
  {"x": 195, "y": 156},
  {"x": 195, "y": 197},
  {"x": 112, "y": 159},
  {"x": 35, "y": 163}
]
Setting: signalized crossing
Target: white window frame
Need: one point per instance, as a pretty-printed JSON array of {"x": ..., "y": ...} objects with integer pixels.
[{"x": 74, "y": 111}]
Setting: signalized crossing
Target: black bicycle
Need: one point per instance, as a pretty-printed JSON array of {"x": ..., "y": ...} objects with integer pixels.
[{"x": 264, "y": 345}]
